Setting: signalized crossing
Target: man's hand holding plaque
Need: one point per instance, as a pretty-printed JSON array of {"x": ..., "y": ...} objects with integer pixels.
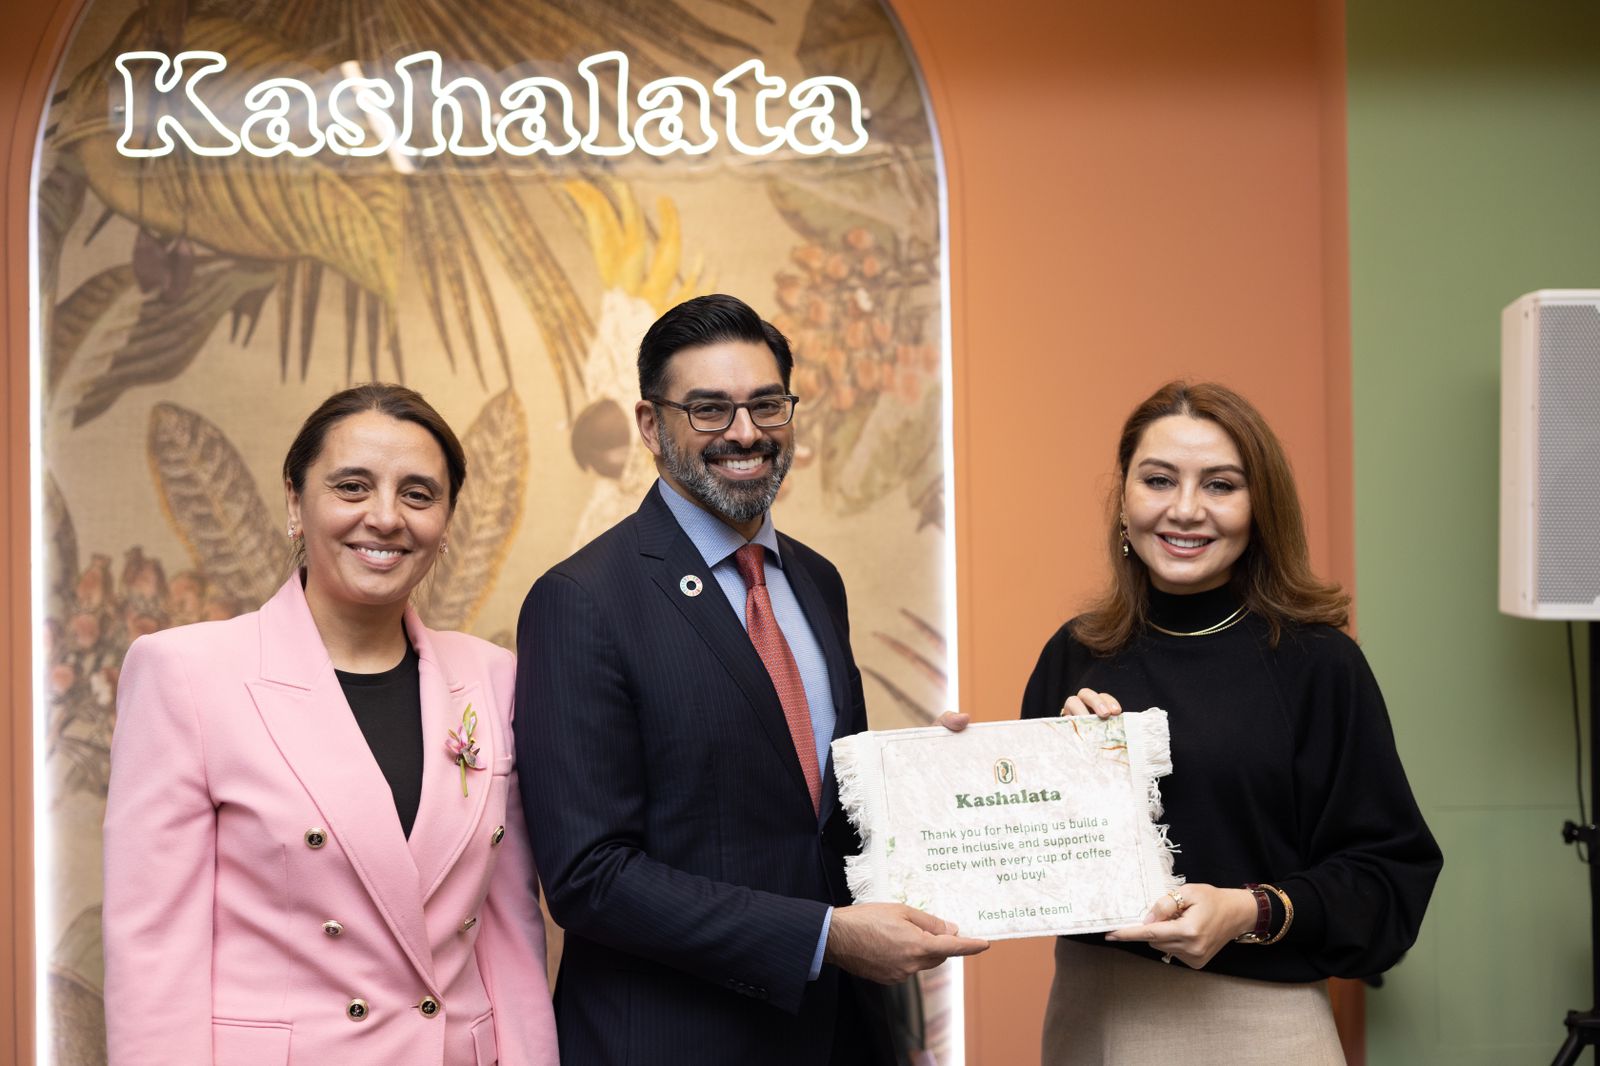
[{"x": 890, "y": 942}]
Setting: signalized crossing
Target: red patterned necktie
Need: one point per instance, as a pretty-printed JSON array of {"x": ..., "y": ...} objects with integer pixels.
[{"x": 774, "y": 651}]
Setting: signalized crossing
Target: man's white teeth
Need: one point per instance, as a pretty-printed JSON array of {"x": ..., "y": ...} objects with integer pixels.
[
  {"x": 1187, "y": 542},
  {"x": 380, "y": 553},
  {"x": 741, "y": 465}
]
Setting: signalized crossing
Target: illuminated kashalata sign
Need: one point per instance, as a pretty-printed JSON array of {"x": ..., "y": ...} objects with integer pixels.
[{"x": 360, "y": 115}]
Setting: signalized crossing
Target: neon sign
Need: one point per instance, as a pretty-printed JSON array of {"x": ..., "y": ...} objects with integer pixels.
[{"x": 421, "y": 114}]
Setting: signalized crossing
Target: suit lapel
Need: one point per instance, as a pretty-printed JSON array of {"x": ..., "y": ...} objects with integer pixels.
[
  {"x": 821, "y": 621},
  {"x": 303, "y": 707},
  {"x": 670, "y": 556},
  {"x": 445, "y": 817}
]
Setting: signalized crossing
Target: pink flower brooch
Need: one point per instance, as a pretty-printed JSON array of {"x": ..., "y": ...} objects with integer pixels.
[{"x": 462, "y": 747}]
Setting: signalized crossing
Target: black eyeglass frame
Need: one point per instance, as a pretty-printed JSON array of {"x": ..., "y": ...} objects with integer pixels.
[{"x": 733, "y": 411}]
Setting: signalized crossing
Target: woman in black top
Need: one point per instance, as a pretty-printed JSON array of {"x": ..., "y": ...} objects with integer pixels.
[{"x": 1303, "y": 852}]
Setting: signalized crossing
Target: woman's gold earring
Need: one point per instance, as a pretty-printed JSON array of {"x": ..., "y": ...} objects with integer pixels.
[{"x": 1125, "y": 547}]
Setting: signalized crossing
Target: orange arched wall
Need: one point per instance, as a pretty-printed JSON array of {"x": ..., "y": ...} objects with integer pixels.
[
  {"x": 1136, "y": 192},
  {"x": 29, "y": 49}
]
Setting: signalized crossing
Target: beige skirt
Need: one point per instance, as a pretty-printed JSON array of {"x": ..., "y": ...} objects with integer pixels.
[{"x": 1108, "y": 1008}]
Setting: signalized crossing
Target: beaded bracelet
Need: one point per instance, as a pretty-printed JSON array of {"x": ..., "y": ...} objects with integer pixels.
[{"x": 1257, "y": 936}]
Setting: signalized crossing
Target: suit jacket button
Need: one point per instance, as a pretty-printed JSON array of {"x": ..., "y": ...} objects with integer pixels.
[
  {"x": 499, "y": 835},
  {"x": 357, "y": 1010},
  {"x": 469, "y": 923},
  {"x": 316, "y": 836},
  {"x": 429, "y": 1007},
  {"x": 332, "y": 928}
]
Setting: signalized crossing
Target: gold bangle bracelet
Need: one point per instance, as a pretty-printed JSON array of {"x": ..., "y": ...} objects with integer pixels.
[{"x": 1288, "y": 914}]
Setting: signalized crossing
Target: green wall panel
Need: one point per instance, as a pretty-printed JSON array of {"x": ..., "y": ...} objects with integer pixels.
[{"x": 1474, "y": 176}]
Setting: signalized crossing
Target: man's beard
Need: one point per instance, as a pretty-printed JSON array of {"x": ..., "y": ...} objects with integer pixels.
[{"x": 737, "y": 502}]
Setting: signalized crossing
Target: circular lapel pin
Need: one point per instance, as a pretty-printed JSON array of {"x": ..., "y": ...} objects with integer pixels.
[{"x": 690, "y": 585}]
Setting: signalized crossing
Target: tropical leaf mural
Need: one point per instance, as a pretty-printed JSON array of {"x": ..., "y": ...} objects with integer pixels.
[
  {"x": 196, "y": 308},
  {"x": 487, "y": 514},
  {"x": 171, "y": 328},
  {"x": 79, "y": 1013},
  {"x": 352, "y": 217},
  {"x": 212, "y": 501}
]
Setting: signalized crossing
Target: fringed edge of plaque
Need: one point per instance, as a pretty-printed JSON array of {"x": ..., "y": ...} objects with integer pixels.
[
  {"x": 859, "y": 870},
  {"x": 1154, "y": 761}
]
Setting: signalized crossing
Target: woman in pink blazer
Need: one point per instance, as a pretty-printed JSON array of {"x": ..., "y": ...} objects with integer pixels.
[{"x": 314, "y": 850}]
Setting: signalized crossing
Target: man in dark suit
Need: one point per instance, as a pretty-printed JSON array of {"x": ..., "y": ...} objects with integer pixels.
[{"x": 679, "y": 681}]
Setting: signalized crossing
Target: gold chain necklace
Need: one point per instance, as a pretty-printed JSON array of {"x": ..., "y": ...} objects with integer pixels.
[{"x": 1232, "y": 620}]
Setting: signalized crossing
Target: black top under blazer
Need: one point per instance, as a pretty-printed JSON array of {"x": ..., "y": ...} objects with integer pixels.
[{"x": 671, "y": 823}]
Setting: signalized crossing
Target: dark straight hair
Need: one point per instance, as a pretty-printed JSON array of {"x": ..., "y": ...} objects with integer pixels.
[
  {"x": 396, "y": 401},
  {"x": 701, "y": 321}
]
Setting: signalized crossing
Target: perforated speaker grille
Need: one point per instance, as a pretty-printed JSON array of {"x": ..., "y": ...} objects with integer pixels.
[{"x": 1569, "y": 454}]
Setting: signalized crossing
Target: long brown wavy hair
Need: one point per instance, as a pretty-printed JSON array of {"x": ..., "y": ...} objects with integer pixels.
[{"x": 1273, "y": 576}]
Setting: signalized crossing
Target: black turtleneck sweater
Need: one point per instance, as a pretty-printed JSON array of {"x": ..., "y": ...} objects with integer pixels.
[{"x": 1284, "y": 771}]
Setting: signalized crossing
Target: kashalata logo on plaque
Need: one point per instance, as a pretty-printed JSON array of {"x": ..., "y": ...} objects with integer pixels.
[{"x": 1005, "y": 771}]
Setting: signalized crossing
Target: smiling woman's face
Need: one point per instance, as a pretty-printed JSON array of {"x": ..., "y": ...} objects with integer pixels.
[
  {"x": 373, "y": 512},
  {"x": 1187, "y": 504}
]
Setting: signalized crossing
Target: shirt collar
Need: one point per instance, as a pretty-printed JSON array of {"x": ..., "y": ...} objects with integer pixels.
[{"x": 711, "y": 536}]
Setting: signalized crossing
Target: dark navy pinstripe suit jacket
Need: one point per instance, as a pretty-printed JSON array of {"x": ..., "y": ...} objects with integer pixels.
[{"x": 672, "y": 827}]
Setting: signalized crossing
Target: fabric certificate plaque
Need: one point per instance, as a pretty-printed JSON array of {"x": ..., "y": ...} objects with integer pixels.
[{"x": 1011, "y": 829}]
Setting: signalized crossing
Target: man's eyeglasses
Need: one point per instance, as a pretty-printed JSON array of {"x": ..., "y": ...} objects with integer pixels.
[{"x": 714, "y": 416}]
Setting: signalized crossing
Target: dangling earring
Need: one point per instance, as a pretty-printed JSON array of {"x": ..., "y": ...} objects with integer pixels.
[
  {"x": 444, "y": 547},
  {"x": 1125, "y": 547},
  {"x": 292, "y": 531}
]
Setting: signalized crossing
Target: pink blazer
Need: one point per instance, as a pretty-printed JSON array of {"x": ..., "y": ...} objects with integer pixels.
[{"x": 263, "y": 906}]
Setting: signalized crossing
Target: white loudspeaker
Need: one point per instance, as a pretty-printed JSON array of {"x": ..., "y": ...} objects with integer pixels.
[{"x": 1550, "y": 455}]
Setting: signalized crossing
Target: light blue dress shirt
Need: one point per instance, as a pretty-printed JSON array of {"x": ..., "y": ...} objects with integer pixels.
[{"x": 717, "y": 541}]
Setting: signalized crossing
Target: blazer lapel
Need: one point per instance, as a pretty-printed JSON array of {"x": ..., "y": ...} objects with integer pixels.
[
  {"x": 816, "y": 612},
  {"x": 445, "y": 818},
  {"x": 303, "y": 707},
  {"x": 672, "y": 556}
]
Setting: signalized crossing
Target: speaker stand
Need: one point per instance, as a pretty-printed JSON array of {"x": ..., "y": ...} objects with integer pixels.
[{"x": 1583, "y": 1027}]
